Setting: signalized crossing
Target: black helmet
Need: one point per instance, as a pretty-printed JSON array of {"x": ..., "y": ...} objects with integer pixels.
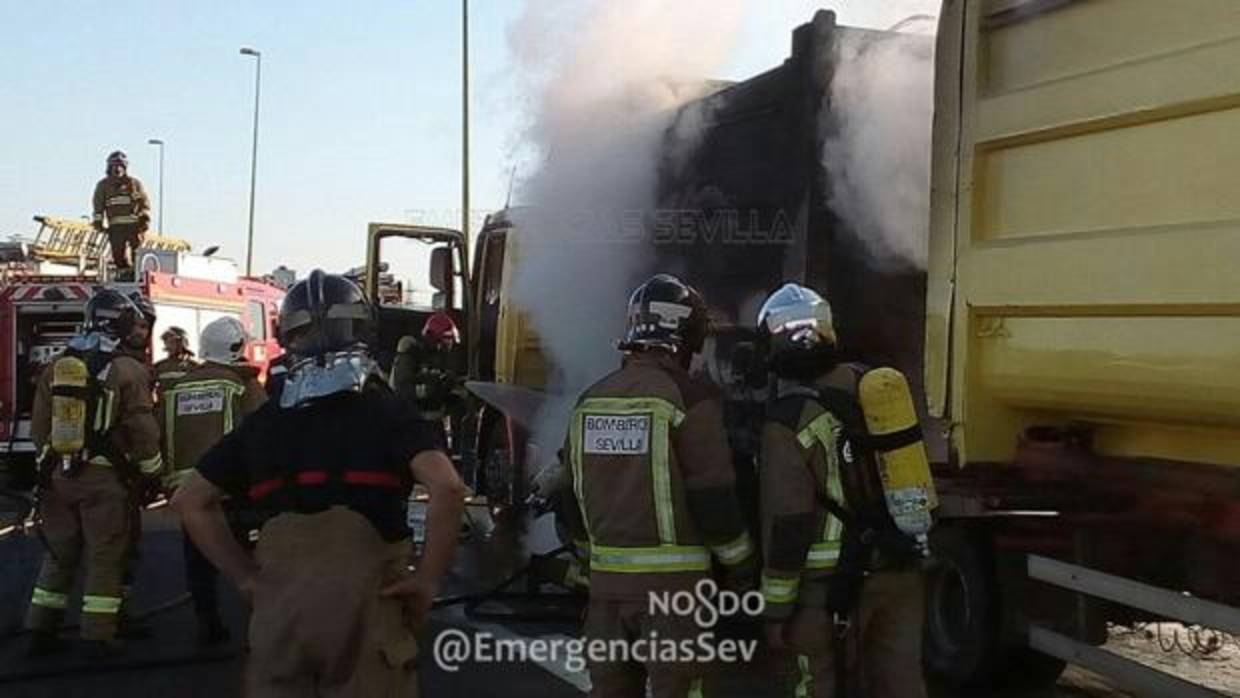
[
  {"x": 797, "y": 331},
  {"x": 145, "y": 305},
  {"x": 117, "y": 157},
  {"x": 111, "y": 313},
  {"x": 324, "y": 313},
  {"x": 666, "y": 313}
]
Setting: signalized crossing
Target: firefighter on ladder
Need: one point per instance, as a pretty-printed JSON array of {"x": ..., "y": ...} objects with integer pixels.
[
  {"x": 121, "y": 207},
  {"x": 843, "y": 585},
  {"x": 93, "y": 425},
  {"x": 653, "y": 490}
]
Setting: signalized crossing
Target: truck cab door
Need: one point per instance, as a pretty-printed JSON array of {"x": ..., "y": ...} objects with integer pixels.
[{"x": 411, "y": 272}]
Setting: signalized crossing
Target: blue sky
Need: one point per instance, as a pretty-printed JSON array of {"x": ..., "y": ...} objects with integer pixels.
[{"x": 360, "y": 116}]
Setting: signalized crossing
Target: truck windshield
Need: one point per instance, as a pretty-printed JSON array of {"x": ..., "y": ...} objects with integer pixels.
[{"x": 405, "y": 275}]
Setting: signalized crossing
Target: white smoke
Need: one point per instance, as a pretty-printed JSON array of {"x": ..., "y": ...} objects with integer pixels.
[
  {"x": 607, "y": 78},
  {"x": 877, "y": 155}
]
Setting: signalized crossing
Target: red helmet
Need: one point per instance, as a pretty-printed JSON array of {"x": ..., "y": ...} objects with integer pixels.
[{"x": 440, "y": 330}]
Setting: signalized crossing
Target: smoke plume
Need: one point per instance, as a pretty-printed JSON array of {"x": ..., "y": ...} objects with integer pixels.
[
  {"x": 607, "y": 79},
  {"x": 881, "y": 105}
]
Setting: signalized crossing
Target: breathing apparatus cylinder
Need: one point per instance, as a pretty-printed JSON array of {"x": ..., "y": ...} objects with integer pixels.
[
  {"x": 900, "y": 451},
  {"x": 70, "y": 379}
]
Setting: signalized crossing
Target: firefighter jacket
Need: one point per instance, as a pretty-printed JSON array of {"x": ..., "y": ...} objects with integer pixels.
[
  {"x": 124, "y": 416},
  {"x": 122, "y": 200},
  {"x": 807, "y": 457},
  {"x": 171, "y": 369},
  {"x": 199, "y": 408},
  {"x": 653, "y": 484}
]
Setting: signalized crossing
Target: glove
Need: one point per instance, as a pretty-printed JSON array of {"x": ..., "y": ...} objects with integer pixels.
[
  {"x": 149, "y": 490},
  {"x": 97, "y": 225}
]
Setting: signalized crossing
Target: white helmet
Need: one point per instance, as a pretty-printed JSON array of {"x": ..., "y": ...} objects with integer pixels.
[{"x": 223, "y": 341}]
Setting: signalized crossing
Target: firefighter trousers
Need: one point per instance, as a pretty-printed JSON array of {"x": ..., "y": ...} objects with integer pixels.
[
  {"x": 625, "y": 621},
  {"x": 124, "y": 241},
  {"x": 884, "y": 647},
  {"x": 86, "y": 519},
  {"x": 319, "y": 626}
]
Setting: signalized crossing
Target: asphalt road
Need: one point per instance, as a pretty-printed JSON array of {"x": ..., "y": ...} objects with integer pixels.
[{"x": 169, "y": 663}]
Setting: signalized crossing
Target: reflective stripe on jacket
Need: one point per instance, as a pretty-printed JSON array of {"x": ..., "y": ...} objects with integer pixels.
[
  {"x": 122, "y": 200},
  {"x": 124, "y": 414},
  {"x": 801, "y": 463}
]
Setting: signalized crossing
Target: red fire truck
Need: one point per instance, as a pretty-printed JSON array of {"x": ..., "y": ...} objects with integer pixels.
[{"x": 40, "y": 312}]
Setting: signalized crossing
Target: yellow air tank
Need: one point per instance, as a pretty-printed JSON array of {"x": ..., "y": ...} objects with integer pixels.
[
  {"x": 69, "y": 392},
  {"x": 903, "y": 465}
]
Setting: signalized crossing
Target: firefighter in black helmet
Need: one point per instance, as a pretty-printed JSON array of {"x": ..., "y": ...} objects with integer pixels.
[
  {"x": 830, "y": 580},
  {"x": 97, "y": 437},
  {"x": 653, "y": 490},
  {"x": 332, "y": 462}
]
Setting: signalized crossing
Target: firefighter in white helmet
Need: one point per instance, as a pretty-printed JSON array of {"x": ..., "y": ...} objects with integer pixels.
[
  {"x": 197, "y": 410},
  {"x": 841, "y": 579}
]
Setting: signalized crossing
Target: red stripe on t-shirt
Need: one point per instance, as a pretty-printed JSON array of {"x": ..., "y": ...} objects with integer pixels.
[
  {"x": 312, "y": 477},
  {"x": 266, "y": 487},
  {"x": 376, "y": 478}
]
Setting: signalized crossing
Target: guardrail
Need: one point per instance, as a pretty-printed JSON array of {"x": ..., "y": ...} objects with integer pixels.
[{"x": 1164, "y": 603}]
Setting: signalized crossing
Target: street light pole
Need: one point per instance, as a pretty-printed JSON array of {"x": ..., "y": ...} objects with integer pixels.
[
  {"x": 158, "y": 142},
  {"x": 465, "y": 123},
  {"x": 258, "y": 79}
]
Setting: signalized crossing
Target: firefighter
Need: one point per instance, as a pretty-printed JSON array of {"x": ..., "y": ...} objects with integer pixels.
[
  {"x": 842, "y": 587},
  {"x": 122, "y": 208},
  {"x": 197, "y": 410},
  {"x": 331, "y": 464},
  {"x": 93, "y": 425},
  {"x": 140, "y": 493},
  {"x": 426, "y": 371},
  {"x": 178, "y": 359},
  {"x": 653, "y": 489}
]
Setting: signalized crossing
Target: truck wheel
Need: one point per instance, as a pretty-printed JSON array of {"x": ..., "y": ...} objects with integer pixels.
[{"x": 962, "y": 646}]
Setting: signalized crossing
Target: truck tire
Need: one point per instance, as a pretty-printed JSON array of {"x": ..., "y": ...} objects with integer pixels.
[{"x": 962, "y": 644}]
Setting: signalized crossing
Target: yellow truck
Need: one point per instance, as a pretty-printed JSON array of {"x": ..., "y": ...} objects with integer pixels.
[
  {"x": 1074, "y": 340},
  {"x": 1083, "y": 329}
]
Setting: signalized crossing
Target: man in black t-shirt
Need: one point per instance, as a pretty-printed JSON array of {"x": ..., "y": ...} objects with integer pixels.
[{"x": 330, "y": 465}]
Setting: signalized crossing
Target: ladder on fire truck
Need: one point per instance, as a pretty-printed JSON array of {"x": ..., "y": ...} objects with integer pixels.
[{"x": 72, "y": 243}]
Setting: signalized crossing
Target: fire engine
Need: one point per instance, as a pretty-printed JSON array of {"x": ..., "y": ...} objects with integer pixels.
[{"x": 45, "y": 286}]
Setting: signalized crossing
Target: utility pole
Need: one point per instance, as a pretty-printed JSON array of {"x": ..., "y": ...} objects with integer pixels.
[
  {"x": 159, "y": 225},
  {"x": 258, "y": 79},
  {"x": 465, "y": 123}
]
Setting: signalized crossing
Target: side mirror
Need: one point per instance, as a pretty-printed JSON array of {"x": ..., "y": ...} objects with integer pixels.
[{"x": 441, "y": 268}]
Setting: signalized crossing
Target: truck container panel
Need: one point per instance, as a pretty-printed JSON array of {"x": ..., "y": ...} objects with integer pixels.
[{"x": 1085, "y": 226}]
